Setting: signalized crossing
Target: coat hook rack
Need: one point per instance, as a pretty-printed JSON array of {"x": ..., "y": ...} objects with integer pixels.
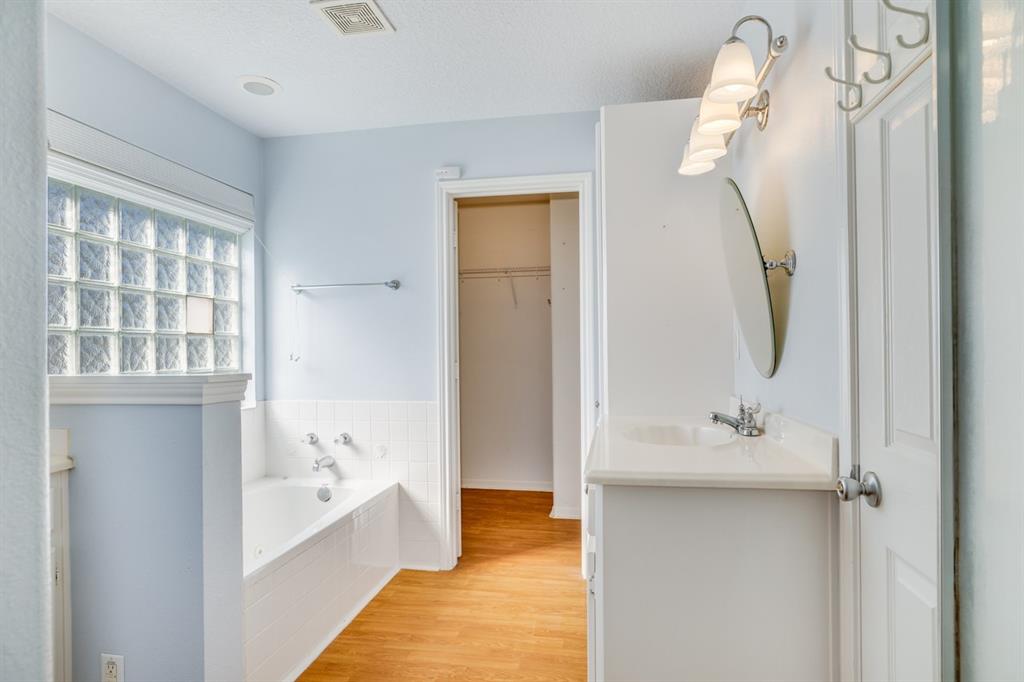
[
  {"x": 856, "y": 87},
  {"x": 923, "y": 16},
  {"x": 884, "y": 56}
]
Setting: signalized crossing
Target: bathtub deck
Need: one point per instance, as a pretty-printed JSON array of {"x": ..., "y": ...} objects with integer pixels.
[{"x": 513, "y": 609}]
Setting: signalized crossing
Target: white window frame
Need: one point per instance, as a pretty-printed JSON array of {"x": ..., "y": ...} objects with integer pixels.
[{"x": 81, "y": 173}]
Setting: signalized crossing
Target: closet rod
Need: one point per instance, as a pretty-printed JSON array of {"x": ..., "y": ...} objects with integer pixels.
[
  {"x": 505, "y": 275},
  {"x": 506, "y": 271}
]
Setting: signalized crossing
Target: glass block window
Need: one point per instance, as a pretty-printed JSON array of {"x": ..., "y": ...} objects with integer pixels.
[{"x": 134, "y": 290}]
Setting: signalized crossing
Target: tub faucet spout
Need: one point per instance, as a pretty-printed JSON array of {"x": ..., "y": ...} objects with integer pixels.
[{"x": 325, "y": 461}]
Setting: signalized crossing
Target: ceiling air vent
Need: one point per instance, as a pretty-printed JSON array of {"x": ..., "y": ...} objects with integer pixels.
[{"x": 353, "y": 18}]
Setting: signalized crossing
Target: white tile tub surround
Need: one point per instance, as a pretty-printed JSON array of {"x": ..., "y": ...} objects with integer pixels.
[
  {"x": 254, "y": 455},
  {"x": 297, "y": 603},
  {"x": 391, "y": 441}
]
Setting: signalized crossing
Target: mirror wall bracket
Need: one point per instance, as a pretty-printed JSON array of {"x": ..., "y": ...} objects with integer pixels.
[{"x": 787, "y": 263}]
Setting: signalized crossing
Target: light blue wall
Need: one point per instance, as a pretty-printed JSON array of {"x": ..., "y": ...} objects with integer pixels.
[
  {"x": 790, "y": 180},
  {"x": 90, "y": 83},
  {"x": 136, "y": 491},
  {"x": 360, "y": 206},
  {"x": 136, "y": 539}
]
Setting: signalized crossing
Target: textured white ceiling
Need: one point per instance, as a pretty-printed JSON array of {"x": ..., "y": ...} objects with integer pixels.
[{"x": 448, "y": 60}]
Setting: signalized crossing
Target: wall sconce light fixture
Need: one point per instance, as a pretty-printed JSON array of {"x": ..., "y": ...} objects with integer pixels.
[{"x": 733, "y": 95}]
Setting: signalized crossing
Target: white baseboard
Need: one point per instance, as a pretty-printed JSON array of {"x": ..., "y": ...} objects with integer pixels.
[
  {"x": 565, "y": 512},
  {"x": 487, "y": 484}
]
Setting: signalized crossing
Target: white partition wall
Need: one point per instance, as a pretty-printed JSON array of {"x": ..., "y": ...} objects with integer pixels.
[
  {"x": 669, "y": 311},
  {"x": 155, "y": 523}
]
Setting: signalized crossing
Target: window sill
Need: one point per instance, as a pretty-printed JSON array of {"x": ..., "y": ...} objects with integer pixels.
[{"x": 195, "y": 389}]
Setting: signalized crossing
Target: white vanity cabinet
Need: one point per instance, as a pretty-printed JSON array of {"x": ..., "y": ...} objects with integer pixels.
[{"x": 711, "y": 563}]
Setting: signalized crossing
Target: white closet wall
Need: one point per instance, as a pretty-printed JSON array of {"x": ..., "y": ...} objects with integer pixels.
[
  {"x": 505, "y": 348},
  {"x": 565, "y": 355}
]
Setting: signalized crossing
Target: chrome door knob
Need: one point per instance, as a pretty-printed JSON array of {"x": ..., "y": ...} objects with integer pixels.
[{"x": 868, "y": 487}]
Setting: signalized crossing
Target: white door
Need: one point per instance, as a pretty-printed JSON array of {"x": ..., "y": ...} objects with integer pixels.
[{"x": 898, "y": 378}]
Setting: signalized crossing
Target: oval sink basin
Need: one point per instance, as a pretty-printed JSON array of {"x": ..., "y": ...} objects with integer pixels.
[{"x": 674, "y": 434}]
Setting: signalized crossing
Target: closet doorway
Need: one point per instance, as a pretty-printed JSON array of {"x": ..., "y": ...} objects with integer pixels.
[
  {"x": 517, "y": 362},
  {"x": 518, "y": 260}
]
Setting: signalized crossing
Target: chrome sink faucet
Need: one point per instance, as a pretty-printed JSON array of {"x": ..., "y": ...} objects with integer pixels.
[
  {"x": 744, "y": 423},
  {"x": 325, "y": 461}
]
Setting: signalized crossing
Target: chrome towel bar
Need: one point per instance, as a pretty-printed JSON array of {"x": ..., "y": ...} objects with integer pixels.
[{"x": 392, "y": 284}]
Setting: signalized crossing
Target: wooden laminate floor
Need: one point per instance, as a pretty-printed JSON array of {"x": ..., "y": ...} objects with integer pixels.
[{"x": 513, "y": 609}]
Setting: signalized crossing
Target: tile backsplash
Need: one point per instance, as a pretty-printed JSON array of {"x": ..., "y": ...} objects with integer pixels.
[{"x": 390, "y": 441}]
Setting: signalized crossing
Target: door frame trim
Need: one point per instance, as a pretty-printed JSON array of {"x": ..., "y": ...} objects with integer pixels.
[
  {"x": 447, "y": 192},
  {"x": 846, "y": 624}
]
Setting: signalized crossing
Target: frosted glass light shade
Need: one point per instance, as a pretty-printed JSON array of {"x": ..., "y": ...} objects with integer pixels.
[
  {"x": 717, "y": 118},
  {"x": 705, "y": 147},
  {"x": 733, "y": 78},
  {"x": 691, "y": 167}
]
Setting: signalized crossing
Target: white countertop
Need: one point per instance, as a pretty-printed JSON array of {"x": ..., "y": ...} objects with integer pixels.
[{"x": 788, "y": 456}]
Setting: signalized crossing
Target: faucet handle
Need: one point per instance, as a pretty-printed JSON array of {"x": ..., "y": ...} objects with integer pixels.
[
  {"x": 747, "y": 412},
  {"x": 343, "y": 439},
  {"x": 309, "y": 439}
]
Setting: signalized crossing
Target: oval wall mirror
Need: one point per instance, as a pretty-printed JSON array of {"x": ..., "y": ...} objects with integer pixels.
[{"x": 747, "y": 271}]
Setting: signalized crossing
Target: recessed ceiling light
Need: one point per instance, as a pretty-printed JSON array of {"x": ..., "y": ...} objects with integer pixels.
[{"x": 259, "y": 85}]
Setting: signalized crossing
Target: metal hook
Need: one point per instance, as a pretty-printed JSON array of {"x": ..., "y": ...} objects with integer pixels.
[
  {"x": 855, "y": 86},
  {"x": 923, "y": 16},
  {"x": 884, "y": 56}
]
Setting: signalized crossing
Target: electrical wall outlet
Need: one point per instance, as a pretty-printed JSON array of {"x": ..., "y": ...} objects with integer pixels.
[{"x": 111, "y": 668}]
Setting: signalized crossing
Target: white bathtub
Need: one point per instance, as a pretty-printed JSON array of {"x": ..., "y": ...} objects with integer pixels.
[{"x": 310, "y": 566}]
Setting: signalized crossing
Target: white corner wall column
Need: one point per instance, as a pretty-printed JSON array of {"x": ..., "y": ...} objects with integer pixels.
[
  {"x": 25, "y": 587},
  {"x": 667, "y": 304},
  {"x": 157, "y": 485},
  {"x": 448, "y": 332}
]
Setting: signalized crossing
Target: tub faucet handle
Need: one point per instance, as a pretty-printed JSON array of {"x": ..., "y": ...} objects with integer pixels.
[
  {"x": 343, "y": 439},
  {"x": 309, "y": 439}
]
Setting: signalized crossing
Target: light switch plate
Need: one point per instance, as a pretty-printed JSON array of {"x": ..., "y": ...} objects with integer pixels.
[{"x": 448, "y": 173}]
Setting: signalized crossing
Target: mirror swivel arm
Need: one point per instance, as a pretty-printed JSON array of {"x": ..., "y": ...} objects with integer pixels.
[{"x": 787, "y": 263}]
